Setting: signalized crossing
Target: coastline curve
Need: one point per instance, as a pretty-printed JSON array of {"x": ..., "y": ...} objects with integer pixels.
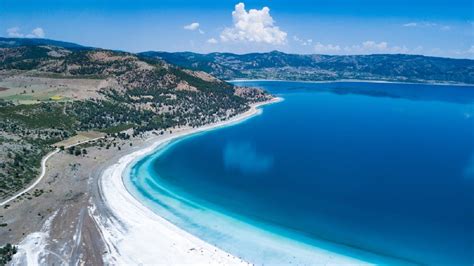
[{"x": 132, "y": 231}]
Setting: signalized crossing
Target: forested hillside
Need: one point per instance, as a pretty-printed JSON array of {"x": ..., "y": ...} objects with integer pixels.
[
  {"x": 282, "y": 66},
  {"x": 46, "y": 97}
]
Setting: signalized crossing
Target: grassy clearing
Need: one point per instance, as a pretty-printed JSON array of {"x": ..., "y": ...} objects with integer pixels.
[
  {"x": 80, "y": 137},
  {"x": 36, "y": 98}
]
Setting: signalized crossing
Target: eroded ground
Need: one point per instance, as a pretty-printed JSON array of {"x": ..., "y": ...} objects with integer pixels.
[{"x": 59, "y": 213}]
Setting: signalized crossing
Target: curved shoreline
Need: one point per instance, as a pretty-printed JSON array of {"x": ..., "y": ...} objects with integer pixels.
[
  {"x": 353, "y": 80},
  {"x": 135, "y": 234}
]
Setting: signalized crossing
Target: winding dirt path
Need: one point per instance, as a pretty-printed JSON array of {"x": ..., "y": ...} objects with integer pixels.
[{"x": 43, "y": 171}]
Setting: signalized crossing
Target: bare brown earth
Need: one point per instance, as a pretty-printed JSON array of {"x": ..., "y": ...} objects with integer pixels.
[
  {"x": 56, "y": 216},
  {"x": 69, "y": 187},
  {"x": 36, "y": 87},
  {"x": 80, "y": 138}
]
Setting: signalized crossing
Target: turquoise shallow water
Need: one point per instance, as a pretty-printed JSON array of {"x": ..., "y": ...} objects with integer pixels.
[{"x": 380, "y": 172}]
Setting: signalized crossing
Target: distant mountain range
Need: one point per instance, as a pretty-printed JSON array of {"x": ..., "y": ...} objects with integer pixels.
[
  {"x": 156, "y": 94},
  {"x": 282, "y": 66},
  {"x": 50, "y": 91},
  {"x": 15, "y": 42}
]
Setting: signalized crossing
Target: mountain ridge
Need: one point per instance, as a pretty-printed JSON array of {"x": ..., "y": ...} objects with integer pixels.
[
  {"x": 277, "y": 65},
  {"x": 15, "y": 42},
  {"x": 281, "y": 66},
  {"x": 50, "y": 94}
]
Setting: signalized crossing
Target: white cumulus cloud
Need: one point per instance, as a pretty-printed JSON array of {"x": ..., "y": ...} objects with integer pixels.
[
  {"x": 427, "y": 24},
  {"x": 367, "y": 47},
  {"x": 253, "y": 26},
  {"x": 212, "y": 41},
  {"x": 15, "y": 32},
  {"x": 36, "y": 33},
  {"x": 371, "y": 47},
  {"x": 326, "y": 49},
  {"x": 192, "y": 26},
  {"x": 302, "y": 41},
  {"x": 411, "y": 24},
  {"x": 383, "y": 47}
]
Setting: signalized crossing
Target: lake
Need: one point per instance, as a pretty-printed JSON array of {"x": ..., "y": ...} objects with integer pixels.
[{"x": 375, "y": 171}]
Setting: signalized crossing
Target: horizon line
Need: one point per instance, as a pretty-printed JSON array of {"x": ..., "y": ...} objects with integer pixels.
[{"x": 234, "y": 53}]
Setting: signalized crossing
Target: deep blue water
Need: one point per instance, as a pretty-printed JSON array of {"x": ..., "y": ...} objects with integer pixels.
[{"x": 385, "y": 168}]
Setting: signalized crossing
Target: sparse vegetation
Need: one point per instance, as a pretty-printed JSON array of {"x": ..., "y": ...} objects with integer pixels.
[
  {"x": 142, "y": 95},
  {"x": 6, "y": 253},
  {"x": 282, "y": 66}
]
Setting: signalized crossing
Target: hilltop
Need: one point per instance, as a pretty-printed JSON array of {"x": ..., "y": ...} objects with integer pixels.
[
  {"x": 49, "y": 93},
  {"x": 282, "y": 66},
  {"x": 15, "y": 42},
  {"x": 52, "y": 90}
]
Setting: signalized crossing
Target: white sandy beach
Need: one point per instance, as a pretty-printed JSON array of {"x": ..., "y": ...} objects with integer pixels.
[
  {"x": 111, "y": 225},
  {"x": 136, "y": 235}
]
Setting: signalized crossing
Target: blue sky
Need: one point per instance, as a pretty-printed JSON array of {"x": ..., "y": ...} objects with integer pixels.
[{"x": 440, "y": 28}]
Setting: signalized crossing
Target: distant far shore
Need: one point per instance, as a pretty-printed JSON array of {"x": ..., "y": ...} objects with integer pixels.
[{"x": 353, "y": 80}]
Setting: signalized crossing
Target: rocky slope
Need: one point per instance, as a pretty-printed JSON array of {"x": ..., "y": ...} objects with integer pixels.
[{"x": 135, "y": 94}]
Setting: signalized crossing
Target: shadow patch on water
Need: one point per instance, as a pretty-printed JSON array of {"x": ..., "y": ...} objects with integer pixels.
[{"x": 244, "y": 157}]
